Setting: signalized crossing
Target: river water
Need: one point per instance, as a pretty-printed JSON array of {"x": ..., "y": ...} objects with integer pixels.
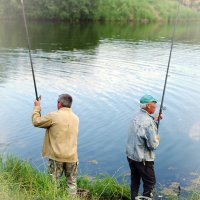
[{"x": 106, "y": 68}]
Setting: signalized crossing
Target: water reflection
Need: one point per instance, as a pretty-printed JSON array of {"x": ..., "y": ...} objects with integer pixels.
[{"x": 51, "y": 36}]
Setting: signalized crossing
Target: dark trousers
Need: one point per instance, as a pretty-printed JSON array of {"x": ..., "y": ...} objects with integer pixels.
[{"x": 144, "y": 171}]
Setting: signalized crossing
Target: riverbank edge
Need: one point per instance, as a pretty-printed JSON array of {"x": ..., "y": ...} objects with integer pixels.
[
  {"x": 125, "y": 21},
  {"x": 21, "y": 181}
]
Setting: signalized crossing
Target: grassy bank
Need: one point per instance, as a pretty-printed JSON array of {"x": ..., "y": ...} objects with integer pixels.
[
  {"x": 20, "y": 181},
  {"x": 98, "y": 10}
]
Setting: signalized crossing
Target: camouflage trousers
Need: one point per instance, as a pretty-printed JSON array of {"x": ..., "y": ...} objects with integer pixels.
[{"x": 56, "y": 169}]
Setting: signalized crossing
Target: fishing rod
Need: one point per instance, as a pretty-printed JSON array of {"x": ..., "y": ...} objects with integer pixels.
[
  {"x": 167, "y": 72},
  {"x": 29, "y": 50}
]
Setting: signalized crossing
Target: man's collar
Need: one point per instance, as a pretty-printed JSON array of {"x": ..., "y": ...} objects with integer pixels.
[
  {"x": 64, "y": 108},
  {"x": 145, "y": 111}
]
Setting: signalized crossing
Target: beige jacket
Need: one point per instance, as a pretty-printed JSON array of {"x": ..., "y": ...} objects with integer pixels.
[{"x": 60, "y": 141}]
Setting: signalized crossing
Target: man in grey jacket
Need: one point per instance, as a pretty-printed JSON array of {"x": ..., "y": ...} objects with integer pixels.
[{"x": 143, "y": 139}]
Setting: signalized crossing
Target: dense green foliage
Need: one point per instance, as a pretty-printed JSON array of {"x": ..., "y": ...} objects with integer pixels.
[
  {"x": 51, "y": 9},
  {"x": 106, "y": 10}
]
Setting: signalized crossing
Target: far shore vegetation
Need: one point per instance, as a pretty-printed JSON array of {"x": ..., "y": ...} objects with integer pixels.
[
  {"x": 20, "y": 181},
  {"x": 100, "y": 10}
]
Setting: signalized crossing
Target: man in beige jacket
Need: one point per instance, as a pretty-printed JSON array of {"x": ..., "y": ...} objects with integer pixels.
[{"x": 60, "y": 141}]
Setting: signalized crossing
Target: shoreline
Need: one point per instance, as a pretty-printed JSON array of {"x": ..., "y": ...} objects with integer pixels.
[{"x": 19, "y": 180}]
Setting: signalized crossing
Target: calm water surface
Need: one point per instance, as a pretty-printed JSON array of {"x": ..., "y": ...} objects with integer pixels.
[{"x": 106, "y": 68}]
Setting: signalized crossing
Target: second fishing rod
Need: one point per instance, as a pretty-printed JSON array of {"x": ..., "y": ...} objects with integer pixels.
[{"x": 169, "y": 61}]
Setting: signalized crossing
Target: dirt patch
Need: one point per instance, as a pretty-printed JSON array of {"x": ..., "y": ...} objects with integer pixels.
[{"x": 4, "y": 196}]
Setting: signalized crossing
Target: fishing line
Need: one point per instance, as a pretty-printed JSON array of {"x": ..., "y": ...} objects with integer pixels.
[
  {"x": 167, "y": 72},
  {"x": 29, "y": 50}
]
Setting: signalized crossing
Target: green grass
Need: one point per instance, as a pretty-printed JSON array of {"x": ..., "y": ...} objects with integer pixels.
[
  {"x": 105, "y": 187},
  {"x": 20, "y": 181},
  {"x": 195, "y": 195}
]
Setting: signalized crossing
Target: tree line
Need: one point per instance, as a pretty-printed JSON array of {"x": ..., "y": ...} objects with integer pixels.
[
  {"x": 50, "y": 9},
  {"x": 95, "y": 10}
]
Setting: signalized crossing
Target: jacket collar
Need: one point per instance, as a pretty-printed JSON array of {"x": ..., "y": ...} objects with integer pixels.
[
  {"x": 142, "y": 110},
  {"x": 65, "y": 109}
]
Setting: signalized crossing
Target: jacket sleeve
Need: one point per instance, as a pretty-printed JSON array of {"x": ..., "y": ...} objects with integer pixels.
[
  {"x": 151, "y": 133},
  {"x": 41, "y": 121}
]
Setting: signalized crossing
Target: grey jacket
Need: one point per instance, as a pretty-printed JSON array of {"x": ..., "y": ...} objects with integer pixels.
[{"x": 142, "y": 138}]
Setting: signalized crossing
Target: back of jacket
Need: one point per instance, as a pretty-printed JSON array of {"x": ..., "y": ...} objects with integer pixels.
[
  {"x": 60, "y": 141},
  {"x": 142, "y": 139}
]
